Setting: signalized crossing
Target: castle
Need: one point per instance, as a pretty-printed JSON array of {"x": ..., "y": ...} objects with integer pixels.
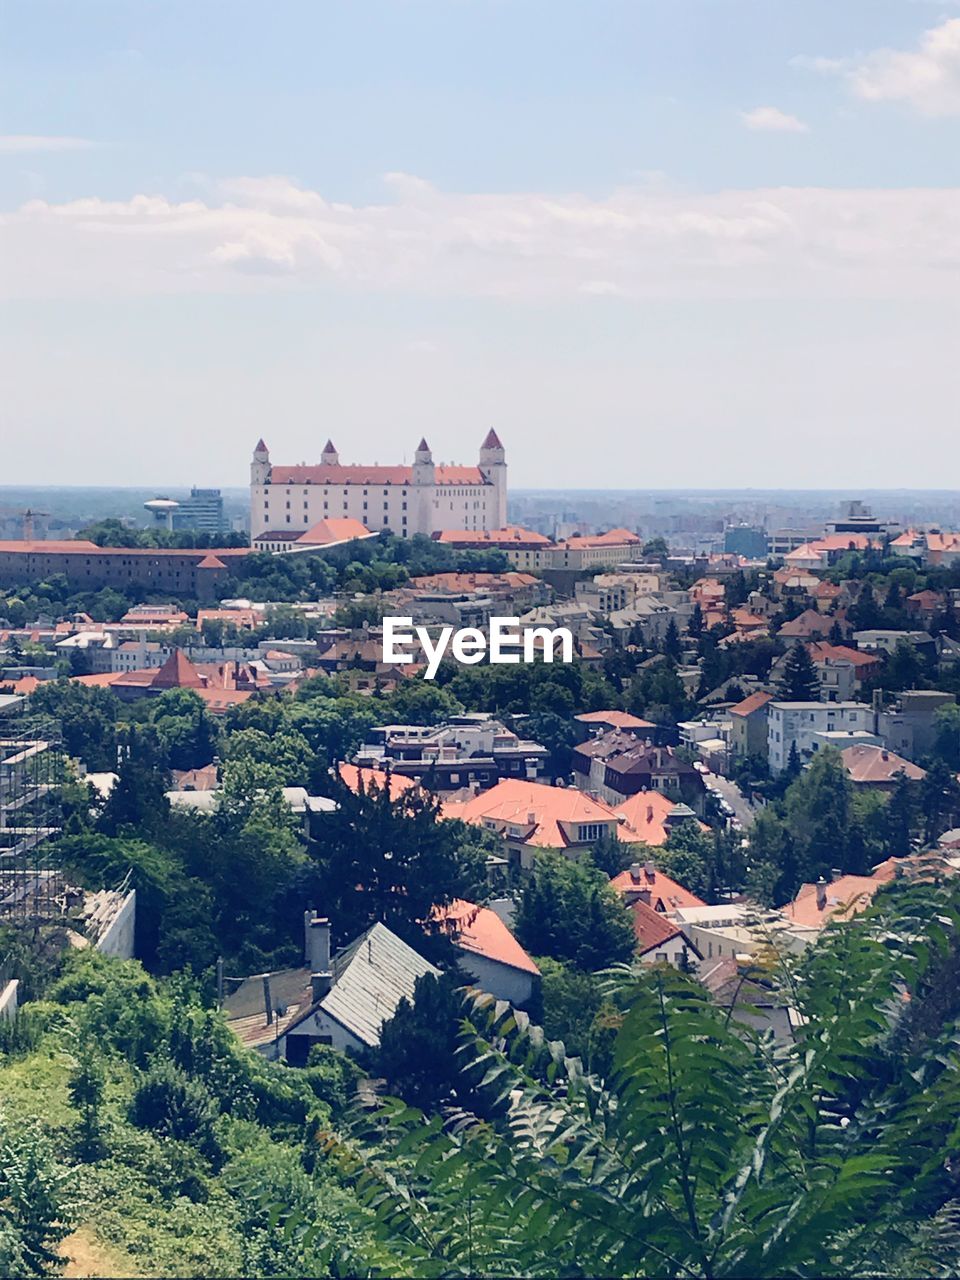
[{"x": 423, "y": 498}]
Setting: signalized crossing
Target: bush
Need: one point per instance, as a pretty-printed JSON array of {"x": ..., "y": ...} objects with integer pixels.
[{"x": 167, "y": 1102}]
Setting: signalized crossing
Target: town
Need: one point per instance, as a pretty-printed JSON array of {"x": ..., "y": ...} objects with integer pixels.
[{"x": 262, "y": 766}]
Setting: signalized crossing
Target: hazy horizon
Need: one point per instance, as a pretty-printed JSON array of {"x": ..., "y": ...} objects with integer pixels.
[{"x": 664, "y": 244}]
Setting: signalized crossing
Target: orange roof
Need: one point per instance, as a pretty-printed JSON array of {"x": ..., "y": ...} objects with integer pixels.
[
  {"x": 868, "y": 763},
  {"x": 178, "y": 672},
  {"x": 753, "y": 703},
  {"x": 357, "y": 778},
  {"x": 509, "y": 535},
  {"x": 25, "y": 685},
  {"x": 613, "y": 538},
  {"x": 459, "y": 582},
  {"x": 646, "y": 814},
  {"x": 651, "y": 927},
  {"x": 358, "y": 473},
  {"x": 481, "y": 931},
  {"x": 808, "y": 624},
  {"x": 656, "y": 888},
  {"x": 334, "y": 529},
  {"x": 820, "y": 651},
  {"x": 846, "y": 896},
  {"x": 617, "y": 719},
  {"x": 536, "y": 809}
]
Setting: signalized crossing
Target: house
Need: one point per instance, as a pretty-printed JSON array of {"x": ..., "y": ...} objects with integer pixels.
[
  {"x": 604, "y": 720},
  {"x": 488, "y": 953},
  {"x": 802, "y": 724},
  {"x": 809, "y": 625},
  {"x": 524, "y": 548},
  {"x": 874, "y": 768},
  {"x": 322, "y": 536},
  {"x": 466, "y": 751},
  {"x": 644, "y": 883},
  {"x": 218, "y": 685},
  {"x": 618, "y": 764},
  {"x": 649, "y": 816},
  {"x": 341, "y": 1001},
  {"x": 736, "y": 984},
  {"x": 817, "y": 904},
  {"x": 748, "y": 725},
  {"x": 660, "y": 940},
  {"x": 529, "y": 816},
  {"x": 924, "y": 605},
  {"x": 909, "y": 725}
]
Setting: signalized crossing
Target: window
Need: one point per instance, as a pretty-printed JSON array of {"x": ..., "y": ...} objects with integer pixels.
[{"x": 589, "y": 831}]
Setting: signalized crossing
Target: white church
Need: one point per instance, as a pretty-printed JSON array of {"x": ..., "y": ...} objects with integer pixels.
[{"x": 427, "y": 497}]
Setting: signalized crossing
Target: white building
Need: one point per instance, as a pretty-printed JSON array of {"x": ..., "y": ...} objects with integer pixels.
[
  {"x": 803, "y": 723},
  {"x": 426, "y": 497}
]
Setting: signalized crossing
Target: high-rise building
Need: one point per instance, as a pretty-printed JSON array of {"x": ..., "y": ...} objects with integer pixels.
[{"x": 202, "y": 510}]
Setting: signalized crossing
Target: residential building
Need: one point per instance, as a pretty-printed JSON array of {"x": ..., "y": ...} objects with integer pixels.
[
  {"x": 748, "y": 725},
  {"x": 530, "y": 816},
  {"x": 524, "y": 548},
  {"x": 342, "y": 1001},
  {"x": 845, "y": 896},
  {"x": 660, "y": 940},
  {"x": 423, "y": 498},
  {"x": 908, "y": 726},
  {"x": 488, "y": 953},
  {"x": 617, "y": 764},
  {"x": 645, "y": 883},
  {"x": 218, "y": 685},
  {"x": 874, "y": 768},
  {"x": 798, "y": 724},
  {"x": 468, "y": 751}
]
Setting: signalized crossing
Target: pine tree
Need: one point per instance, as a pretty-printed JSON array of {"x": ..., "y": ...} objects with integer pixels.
[
  {"x": 800, "y": 682},
  {"x": 901, "y": 815},
  {"x": 671, "y": 642}
]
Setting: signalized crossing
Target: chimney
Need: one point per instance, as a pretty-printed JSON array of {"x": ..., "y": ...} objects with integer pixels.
[
  {"x": 320, "y": 984},
  {"x": 821, "y": 887},
  {"x": 635, "y": 872},
  {"x": 308, "y": 915},
  {"x": 649, "y": 812},
  {"x": 318, "y": 954},
  {"x": 835, "y": 874},
  {"x": 267, "y": 1002},
  {"x": 650, "y": 870}
]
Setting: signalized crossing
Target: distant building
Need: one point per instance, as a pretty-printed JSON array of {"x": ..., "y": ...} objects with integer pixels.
[
  {"x": 202, "y": 510},
  {"x": 743, "y": 540},
  {"x": 425, "y": 498},
  {"x": 798, "y": 724}
]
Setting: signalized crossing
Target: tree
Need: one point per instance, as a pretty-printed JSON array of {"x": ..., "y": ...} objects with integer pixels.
[
  {"x": 800, "y": 682},
  {"x": 901, "y": 815},
  {"x": 612, "y": 855},
  {"x": 939, "y": 800},
  {"x": 829, "y": 1155},
  {"x": 382, "y": 855},
  {"x": 672, "y": 645},
  {"x": 568, "y": 911},
  {"x": 903, "y": 669},
  {"x": 35, "y": 1202},
  {"x": 695, "y": 625},
  {"x": 86, "y": 1089},
  {"x": 946, "y": 747},
  {"x": 417, "y": 1051}
]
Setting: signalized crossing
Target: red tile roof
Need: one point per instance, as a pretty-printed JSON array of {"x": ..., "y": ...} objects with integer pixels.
[
  {"x": 356, "y": 778},
  {"x": 510, "y": 535},
  {"x": 651, "y": 927},
  {"x": 538, "y": 811},
  {"x": 178, "y": 672},
  {"x": 657, "y": 889},
  {"x": 481, "y": 932},
  {"x": 616, "y": 719},
  {"x": 751, "y": 704},
  {"x": 867, "y": 763}
]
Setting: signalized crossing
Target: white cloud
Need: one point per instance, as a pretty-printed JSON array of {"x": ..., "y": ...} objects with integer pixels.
[
  {"x": 256, "y": 234},
  {"x": 927, "y": 78},
  {"x": 823, "y": 66},
  {"x": 772, "y": 120},
  {"x": 29, "y": 143}
]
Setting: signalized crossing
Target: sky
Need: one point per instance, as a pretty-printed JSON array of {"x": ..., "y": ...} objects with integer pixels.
[{"x": 655, "y": 243}]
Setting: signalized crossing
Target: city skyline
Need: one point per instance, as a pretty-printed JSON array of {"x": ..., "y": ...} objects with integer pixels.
[{"x": 601, "y": 232}]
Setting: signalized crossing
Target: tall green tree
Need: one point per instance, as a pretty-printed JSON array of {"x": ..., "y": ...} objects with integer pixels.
[
  {"x": 568, "y": 911},
  {"x": 800, "y": 682}
]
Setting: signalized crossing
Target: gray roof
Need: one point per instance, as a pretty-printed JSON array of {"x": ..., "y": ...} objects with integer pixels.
[{"x": 371, "y": 977}]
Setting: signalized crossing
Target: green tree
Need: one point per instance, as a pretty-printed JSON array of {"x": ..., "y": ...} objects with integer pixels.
[
  {"x": 417, "y": 1051},
  {"x": 830, "y": 1155},
  {"x": 568, "y": 911},
  {"x": 902, "y": 812},
  {"x": 86, "y": 1090},
  {"x": 800, "y": 682},
  {"x": 35, "y": 1202}
]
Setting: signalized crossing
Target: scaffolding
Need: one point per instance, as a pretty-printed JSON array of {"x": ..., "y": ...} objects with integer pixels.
[{"x": 31, "y": 775}]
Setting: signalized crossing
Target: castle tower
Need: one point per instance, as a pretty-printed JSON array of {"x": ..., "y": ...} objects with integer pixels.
[
  {"x": 330, "y": 457},
  {"x": 259, "y": 488},
  {"x": 260, "y": 466},
  {"x": 423, "y": 490},
  {"x": 493, "y": 464}
]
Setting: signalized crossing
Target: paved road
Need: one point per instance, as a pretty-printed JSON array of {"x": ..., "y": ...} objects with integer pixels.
[{"x": 743, "y": 811}]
